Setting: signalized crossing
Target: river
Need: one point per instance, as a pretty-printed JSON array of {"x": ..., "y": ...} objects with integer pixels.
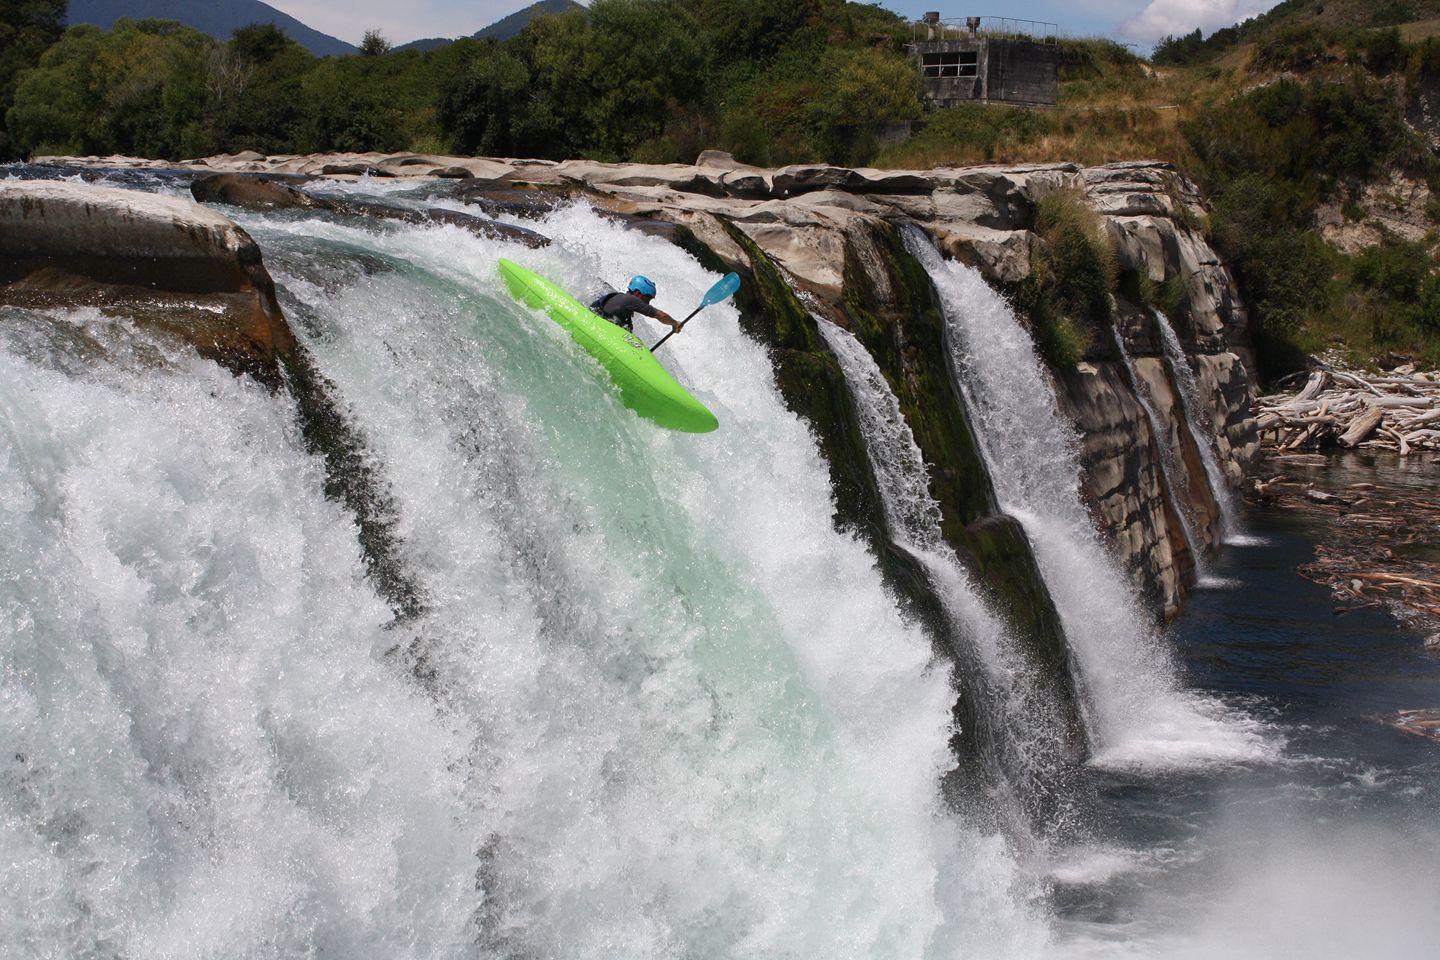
[
  {"x": 1333, "y": 850},
  {"x": 649, "y": 702}
]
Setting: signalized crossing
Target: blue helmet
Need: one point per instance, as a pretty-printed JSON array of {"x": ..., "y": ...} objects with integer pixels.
[{"x": 642, "y": 285}]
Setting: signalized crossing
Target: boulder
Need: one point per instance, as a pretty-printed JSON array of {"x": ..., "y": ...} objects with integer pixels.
[
  {"x": 794, "y": 180},
  {"x": 249, "y": 192},
  {"x": 720, "y": 160},
  {"x": 679, "y": 177},
  {"x": 168, "y": 262},
  {"x": 508, "y": 197},
  {"x": 1002, "y": 255}
]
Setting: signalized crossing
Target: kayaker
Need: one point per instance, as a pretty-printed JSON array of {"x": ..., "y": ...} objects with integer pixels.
[{"x": 620, "y": 308}]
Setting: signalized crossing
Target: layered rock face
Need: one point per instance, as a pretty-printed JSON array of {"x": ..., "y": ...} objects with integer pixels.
[
  {"x": 825, "y": 227},
  {"x": 827, "y": 234}
]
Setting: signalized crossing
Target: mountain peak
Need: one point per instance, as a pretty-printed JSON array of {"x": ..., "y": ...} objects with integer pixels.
[{"x": 218, "y": 18}]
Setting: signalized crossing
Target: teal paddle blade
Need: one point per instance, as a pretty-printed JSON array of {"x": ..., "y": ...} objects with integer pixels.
[{"x": 724, "y": 289}]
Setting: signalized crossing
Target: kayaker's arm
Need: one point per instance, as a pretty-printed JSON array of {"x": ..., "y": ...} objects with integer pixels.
[{"x": 666, "y": 319}]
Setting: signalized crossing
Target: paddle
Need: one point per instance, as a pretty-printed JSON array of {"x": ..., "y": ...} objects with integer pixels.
[{"x": 724, "y": 289}]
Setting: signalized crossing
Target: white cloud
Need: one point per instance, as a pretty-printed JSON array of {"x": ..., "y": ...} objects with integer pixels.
[{"x": 1175, "y": 17}]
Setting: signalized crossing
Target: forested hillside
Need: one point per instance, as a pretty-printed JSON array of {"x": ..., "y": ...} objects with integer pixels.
[
  {"x": 1313, "y": 128},
  {"x": 218, "y": 18}
]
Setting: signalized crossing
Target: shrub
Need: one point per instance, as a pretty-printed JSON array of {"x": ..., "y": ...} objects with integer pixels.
[
  {"x": 1383, "y": 51},
  {"x": 1180, "y": 51},
  {"x": 1068, "y": 296},
  {"x": 1405, "y": 290},
  {"x": 1392, "y": 13},
  {"x": 972, "y": 133},
  {"x": 1297, "y": 48}
]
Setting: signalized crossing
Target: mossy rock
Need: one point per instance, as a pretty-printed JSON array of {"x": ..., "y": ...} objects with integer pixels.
[{"x": 905, "y": 333}]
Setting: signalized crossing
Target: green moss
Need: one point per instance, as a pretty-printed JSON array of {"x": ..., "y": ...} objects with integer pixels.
[
  {"x": 906, "y": 336},
  {"x": 811, "y": 383},
  {"x": 905, "y": 333}
]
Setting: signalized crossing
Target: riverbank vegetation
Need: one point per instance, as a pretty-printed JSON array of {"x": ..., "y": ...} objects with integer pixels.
[{"x": 1310, "y": 127}]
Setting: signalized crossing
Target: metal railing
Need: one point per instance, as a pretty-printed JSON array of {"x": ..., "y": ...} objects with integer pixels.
[{"x": 1000, "y": 28}]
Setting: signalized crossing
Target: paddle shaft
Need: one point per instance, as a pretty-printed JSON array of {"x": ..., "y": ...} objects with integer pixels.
[{"x": 679, "y": 328}]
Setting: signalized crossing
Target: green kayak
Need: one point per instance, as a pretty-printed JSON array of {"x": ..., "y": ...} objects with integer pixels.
[{"x": 645, "y": 386}]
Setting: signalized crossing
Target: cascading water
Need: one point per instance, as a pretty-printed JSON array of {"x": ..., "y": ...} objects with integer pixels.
[
  {"x": 656, "y": 705},
  {"x": 206, "y": 753},
  {"x": 1170, "y": 464},
  {"x": 1025, "y": 724},
  {"x": 1141, "y": 716},
  {"x": 652, "y": 705},
  {"x": 1194, "y": 407}
]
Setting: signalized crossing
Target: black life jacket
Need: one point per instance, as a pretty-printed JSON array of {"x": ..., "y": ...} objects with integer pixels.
[{"x": 598, "y": 306}]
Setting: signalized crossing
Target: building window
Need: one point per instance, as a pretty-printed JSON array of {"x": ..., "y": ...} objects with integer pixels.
[{"x": 961, "y": 63}]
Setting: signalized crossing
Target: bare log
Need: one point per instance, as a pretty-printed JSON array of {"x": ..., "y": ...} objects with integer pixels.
[{"x": 1362, "y": 427}]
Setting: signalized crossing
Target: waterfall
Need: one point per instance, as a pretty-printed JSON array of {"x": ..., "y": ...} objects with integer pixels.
[
  {"x": 1200, "y": 428},
  {"x": 207, "y": 752},
  {"x": 1170, "y": 464},
  {"x": 1141, "y": 716},
  {"x": 1025, "y": 725},
  {"x": 655, "y": 704}
]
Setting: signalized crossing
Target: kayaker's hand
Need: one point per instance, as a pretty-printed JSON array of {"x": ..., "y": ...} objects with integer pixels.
[{"x": 666, "y": 319}]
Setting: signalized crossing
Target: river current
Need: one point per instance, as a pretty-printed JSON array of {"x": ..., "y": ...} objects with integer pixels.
[{"x": 653, "y": 704}]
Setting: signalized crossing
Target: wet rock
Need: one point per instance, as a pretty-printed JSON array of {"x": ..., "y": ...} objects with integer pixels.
[
  {"x": 1121, "y": 479},
  {"x": 792, "y": 181},
  {"x": 262, "y": 193},
  {"x": 250, "y": 192},
  {"x": 502, "y": 197},
  {"x": 175, "y": 265}
]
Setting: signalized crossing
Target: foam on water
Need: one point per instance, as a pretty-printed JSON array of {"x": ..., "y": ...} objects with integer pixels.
[
  {"x": 1141, "y": 716},
  {"x": 206, "y": 752},
  {"x": 705, "y": 728},
  {"x": 1026, "y": 723}
]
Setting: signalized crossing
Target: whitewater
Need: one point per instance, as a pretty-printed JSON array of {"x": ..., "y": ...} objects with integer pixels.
[
  {"x": 1141, "y": 716},
  {"x": 647, "y": 702},
  {"x": 655, "y": 706}
]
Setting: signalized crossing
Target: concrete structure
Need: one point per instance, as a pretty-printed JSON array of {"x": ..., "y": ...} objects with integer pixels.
[{"x": 987, "y": 58}]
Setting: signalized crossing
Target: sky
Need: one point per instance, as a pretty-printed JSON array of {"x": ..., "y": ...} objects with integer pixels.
[{"x": 1141, "y": 22}]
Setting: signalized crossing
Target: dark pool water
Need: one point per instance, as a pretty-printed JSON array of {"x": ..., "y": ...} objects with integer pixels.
[{"x": 1332, "y": 851}]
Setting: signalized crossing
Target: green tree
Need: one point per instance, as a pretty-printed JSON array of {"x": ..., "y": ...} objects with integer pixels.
[
  {"x": 374, "y": 44},
  {"x": 140, "y": 88},
  {"x": 481, "y": 105},
  {"x": 345, "y": 111},
  {"x": 255, "y": 82},
  {"x": 27, "y": 28},
  {"x": 863, "y": 89},
  {"x": 261, "y": 43}
]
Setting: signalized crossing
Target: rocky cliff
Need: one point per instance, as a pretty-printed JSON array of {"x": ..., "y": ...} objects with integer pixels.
[{"x": 824, "y": 239}]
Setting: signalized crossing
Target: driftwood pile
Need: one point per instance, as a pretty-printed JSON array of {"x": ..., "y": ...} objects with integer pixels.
[
  {"x": 1398, "y": 411},
  {"x": 1421, "y": 723},
  {"x": 1382, "y": 546}
]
